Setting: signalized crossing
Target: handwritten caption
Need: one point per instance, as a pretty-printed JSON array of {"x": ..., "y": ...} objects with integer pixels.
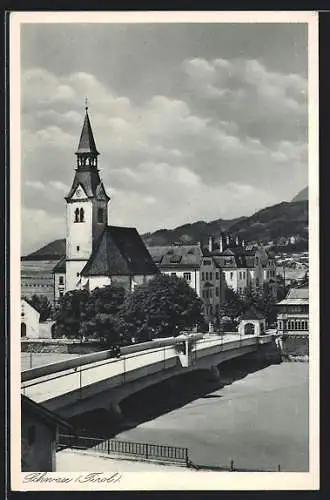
[{"x": 88, "y": 477}]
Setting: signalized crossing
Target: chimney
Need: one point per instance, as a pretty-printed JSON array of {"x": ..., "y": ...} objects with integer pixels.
[
  {"x": 221, "y": 243},
  {"x": 210, "y": 243}
]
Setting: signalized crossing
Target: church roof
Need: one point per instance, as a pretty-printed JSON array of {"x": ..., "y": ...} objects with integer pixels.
[
  {"x": 120, "y": 251},
  {"x": 86, "y": 142},
  {"x": 89, "y": 180}
]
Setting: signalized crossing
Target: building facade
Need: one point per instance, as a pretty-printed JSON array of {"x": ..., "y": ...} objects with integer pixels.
[
  {"x": 293, "y": 312},
  {"x": 39, "y": 431}
]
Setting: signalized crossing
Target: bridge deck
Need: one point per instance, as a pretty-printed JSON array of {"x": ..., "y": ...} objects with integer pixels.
[{"x": 63, "y": 378}]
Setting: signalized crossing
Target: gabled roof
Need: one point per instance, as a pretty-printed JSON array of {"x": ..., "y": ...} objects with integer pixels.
[
  {"x": 120, "y": 251},
  {"x": 28, "y": 301},
  {"x": 176, "y": 256},
  {"x": 43, "y": 412},
  {"x": 86, "y": 142}
]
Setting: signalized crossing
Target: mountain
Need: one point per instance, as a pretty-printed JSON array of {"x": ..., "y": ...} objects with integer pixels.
[
  {"x": 189, "y": 233},
  {"x": 276, "y": 223},
  {"x": 302, "y": 195},
  {"x": 52, "y": 251}
]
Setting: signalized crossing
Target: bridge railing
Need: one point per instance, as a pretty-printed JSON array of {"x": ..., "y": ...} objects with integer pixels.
[
  {"x": 95, "y": 357},
  {"x": 147, "y": 451}
]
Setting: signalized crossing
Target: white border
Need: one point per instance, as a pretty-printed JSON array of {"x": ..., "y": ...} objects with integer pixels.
[{"x": 176, "y": 480}]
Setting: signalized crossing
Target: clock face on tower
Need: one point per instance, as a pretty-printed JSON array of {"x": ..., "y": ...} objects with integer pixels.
[{"x": 79, "y": 192}]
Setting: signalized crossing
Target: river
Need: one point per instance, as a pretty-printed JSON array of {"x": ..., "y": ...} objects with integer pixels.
[{"x": 259, "y": 421}]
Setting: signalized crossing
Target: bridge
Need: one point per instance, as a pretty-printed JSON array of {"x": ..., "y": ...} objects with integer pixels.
[{"x": 98, "y": 380}]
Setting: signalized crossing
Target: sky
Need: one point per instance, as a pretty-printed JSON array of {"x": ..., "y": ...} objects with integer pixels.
[{"x": 192, "y": 121}]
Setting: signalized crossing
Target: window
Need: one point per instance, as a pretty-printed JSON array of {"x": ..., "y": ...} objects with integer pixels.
[
  {"x": 207, "y": 276},
  {"x": 257, "y": 260},
  {"x": 31, "y": 434},
  {"x": 211, "y": 292},
  {"x": 211, "y": 309},
  {"x": 207, "y": 262},
  {"x": 173, "y": 274},
  {"x": 79, "y": 215},
  {"x": 100, "y": 215},
  {"x": 211, "y": 276},
  {"x": 257, "y": 281},
  {"x": 244, "y": 275},
  {"x": 217, "y": 291},
  {"x": 61, "y": 280},
  {"x": 187, "y": 276},
  {"x": 78, "y": 248},
  {"x": 217, "y": 276},
  {"x": 77, "y": 274},
  {"x": 240, "y": 275},
  {"x": 61, "y": 293},
  {"x": 22, "y": 315},
  {"x": 203, "y": 276},
  {"x": 231, "y": 275}
]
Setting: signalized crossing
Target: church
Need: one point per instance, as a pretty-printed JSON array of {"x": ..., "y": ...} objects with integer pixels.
[{"x": 97, "y": 254}]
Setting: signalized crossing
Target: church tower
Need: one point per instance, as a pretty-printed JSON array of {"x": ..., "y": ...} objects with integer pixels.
[{"x": 86, "y": 207}]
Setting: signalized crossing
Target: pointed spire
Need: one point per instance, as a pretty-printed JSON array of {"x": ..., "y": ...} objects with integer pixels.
[{"x": 86, "y": 142}]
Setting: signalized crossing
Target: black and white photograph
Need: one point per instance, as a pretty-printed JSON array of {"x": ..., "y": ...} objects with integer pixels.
[{"x": 164, "y": 249}]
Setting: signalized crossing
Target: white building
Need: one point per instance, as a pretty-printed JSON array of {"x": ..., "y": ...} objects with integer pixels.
[
  {"x": 293, "y": 312},
  {"x": 29, "y": 320}
]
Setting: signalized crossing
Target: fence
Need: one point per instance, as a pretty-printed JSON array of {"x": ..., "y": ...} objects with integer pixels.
[
  {"x": 130, "y": 448},
  {"x": 147, "y": 451}
]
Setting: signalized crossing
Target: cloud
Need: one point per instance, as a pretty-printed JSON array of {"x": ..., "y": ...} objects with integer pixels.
[
  {"x": 168, "y": 160},
  {"x": 266, "y": 104}
]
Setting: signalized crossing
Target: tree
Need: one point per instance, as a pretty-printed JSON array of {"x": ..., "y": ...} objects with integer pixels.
[
  {"x": 163, "y": 307},
  {"x": 232, "y": 305},
  {"x": 42, "y": 305},
  {"x": 107, "y": 299},
  {"x": 70, "y": 313}
]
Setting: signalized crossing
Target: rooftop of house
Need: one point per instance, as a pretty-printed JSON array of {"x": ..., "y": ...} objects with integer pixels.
[
  {"x": 296, "y": 296},
  {"x": 176, "y": 255},
  {"x": 43, "y": 413}
]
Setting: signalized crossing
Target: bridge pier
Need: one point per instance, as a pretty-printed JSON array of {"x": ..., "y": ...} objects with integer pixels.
[
  {"x": 214, "y": 373},
  {"x": 114, "y": 410}
]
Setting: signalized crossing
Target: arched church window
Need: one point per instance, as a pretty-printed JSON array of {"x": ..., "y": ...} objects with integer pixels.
[
  {"x": 82, "y": 215},
  {"x": 76, "y": 215}
]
